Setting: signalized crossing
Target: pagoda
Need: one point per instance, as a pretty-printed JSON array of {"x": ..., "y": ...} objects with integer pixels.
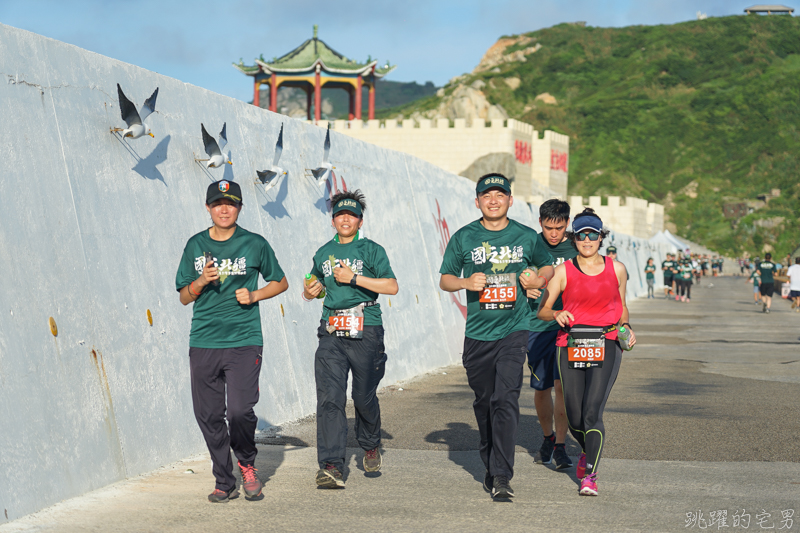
[{"x": 312, "y": 66}]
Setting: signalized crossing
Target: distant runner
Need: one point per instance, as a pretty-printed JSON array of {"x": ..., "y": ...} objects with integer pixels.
[
  {"x": 495, "y": 254},
  {"x": 685, "y": 279},
  {"x": 649, "y": 272},
  {"x": 794, "y": 284},
  {"x": 766, "y": 270},
  {"x": 589, "y": 355},
  {"x": 756, "y": 279},
  {"x": 666, "y": 267},
  {"x": 354, "y": 270},
  {"x": 219, "y": 273}
]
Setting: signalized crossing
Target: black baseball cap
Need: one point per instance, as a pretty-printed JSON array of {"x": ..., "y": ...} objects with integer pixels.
[
  {"x": 490, "y": 181},
  {"x": 611, "y": 250},
  {"x": 224, "y": 189}
]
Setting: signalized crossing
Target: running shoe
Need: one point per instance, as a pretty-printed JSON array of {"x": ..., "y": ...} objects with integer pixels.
[
  {"x": 250, "y": 482},
  {"x": 488, "y": 482},
  {"x": 501, "y": 488},
  {"x": 330, "y": 477},
  {"x": 589, "y": 485},
  {"x": 560, "y": 457},
  {"x": 580, "y": 470},
  {"x": 767, "y": 311},
  {"x": 222, "y": 496},
  {"x": 764, "y": 308},
  {"x": 372, "y": 460},
  {"x": 545, "y": 454}
]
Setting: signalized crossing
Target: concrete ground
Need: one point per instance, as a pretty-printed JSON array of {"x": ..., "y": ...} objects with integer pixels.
[{"x": 703, "y": 418}]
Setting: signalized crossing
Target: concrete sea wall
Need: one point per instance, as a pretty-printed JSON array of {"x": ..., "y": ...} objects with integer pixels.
[{"x": 91, "y": 230}]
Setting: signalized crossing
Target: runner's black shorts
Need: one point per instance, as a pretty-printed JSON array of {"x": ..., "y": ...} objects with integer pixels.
[
  {"x": 542, "y": 358},
  {"x": 767, "y": 289}
]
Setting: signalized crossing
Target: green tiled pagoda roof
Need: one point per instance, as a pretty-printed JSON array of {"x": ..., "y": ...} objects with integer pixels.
[{"x": 305, "y": 58}]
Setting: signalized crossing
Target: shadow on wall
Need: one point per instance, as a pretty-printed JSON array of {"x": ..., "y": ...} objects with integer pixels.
[
  {"x": 147, "y": 167},
  {"x": 275, "y": 207}
]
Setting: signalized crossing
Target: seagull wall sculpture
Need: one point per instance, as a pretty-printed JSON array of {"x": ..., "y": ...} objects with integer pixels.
[
  {"x": 271, "y": 175},
  {"x": 214, "y": 148},
  {"x": 323, "y": 172},
  {"x": 135, "y": 120}
]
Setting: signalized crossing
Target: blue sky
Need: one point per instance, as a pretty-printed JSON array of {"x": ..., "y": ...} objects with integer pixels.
[{"x": 196, "y": 41}]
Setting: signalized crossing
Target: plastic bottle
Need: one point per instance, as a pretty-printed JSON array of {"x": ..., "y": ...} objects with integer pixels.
[
  {"x": 311, "y": 278},
  {"x": 624, "y": 338}
]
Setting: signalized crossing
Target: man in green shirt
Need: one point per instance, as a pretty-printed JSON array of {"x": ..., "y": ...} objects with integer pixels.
[
  {"x": 554, "y": 221},
  {"x": 650, "y": 276},
  {"x": 766, "y": 270},
  {"x": 353, "y": 271},
  {"x": 495, "y": 255},
  {"x": 219, "y": 272},
  {"x": 667, "y": 266}
]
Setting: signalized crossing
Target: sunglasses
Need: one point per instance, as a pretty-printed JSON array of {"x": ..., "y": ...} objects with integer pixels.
[{"x": 593, "y": 235}]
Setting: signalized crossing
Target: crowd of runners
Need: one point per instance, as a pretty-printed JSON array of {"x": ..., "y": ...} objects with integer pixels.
[{"x": 549, "y": 298}]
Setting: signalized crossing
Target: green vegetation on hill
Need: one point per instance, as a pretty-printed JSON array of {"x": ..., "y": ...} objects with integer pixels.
[{"x": 693, "y": 115}]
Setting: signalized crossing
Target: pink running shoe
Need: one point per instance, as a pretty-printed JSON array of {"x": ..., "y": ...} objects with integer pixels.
[
  {"x": 589, "y": 485},
  {"x": 580, "y": 470}
]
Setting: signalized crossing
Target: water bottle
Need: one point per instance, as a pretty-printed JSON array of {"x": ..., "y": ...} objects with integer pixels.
[
  {"x": 624, "y": 338},
  {"x": 310, "y": 279}
]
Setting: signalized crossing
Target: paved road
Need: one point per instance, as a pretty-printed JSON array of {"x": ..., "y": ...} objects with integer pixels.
[{"x": 703, "y": 418}]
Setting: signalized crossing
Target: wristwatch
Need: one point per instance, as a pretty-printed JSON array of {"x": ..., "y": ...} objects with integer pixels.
[{"x": 353, "y": 280}]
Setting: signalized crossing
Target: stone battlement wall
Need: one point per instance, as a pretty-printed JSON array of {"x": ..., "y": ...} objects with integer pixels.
[
  {"x": 92, "y": 227},
  {"x": 539, "y": 166},
  {"x": 634, "y": 216}
]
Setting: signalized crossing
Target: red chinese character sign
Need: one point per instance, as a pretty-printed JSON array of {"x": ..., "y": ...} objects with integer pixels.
[
  {"x": 558, "y": 160},
  {"x": 522, "y": 152}
]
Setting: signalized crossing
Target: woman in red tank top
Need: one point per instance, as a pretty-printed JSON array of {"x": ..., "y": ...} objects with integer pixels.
[{"x": 592, "y": 288}]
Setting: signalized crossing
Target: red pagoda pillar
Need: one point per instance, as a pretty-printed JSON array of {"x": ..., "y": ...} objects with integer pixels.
[
  {"x": 273, "y": 94},
  {"x": 351, "y": 94},
  {"x": 359, "y": 81},
  {"x": 372, "y": 101},
  {"x": 317, "y": 96},
  {"x": 256, "y": 91},
  {"x": 308, "y": 103}
]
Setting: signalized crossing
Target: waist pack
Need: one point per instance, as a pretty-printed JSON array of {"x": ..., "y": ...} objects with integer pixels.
[{"x": 586, "y": 345}]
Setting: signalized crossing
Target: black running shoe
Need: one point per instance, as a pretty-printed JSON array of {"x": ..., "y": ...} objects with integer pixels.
[
  {"x": 222, "y": 496},
  {"x": 560, "y": 457},
  {"x": 330, "y": 477},
  {"x": 501, "y": 488},
  {"x": 488, "y": 482},
  {"x": 545, "y": 453}
]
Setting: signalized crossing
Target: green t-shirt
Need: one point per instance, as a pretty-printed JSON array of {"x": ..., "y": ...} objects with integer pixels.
[
  {"x": 511, "y": 250},
  {"x": 649, "y": 272},
  {"x": 767, "y": 269},
  {"x": 366, "y": 258},
  {"x": 686, "y": 270},
  {"x": 756, "y": 278},
  {"x": 669, "y": 265},
  {"x": 218, "y": 319},
  {"x": 563, "y": 251}
]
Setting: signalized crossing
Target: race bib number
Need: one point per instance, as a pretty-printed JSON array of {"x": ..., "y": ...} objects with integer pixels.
[
  {"x": 500, "y": 293},
  {"x": 347, "y": 323},
  {"x": 586, "y": 353}
]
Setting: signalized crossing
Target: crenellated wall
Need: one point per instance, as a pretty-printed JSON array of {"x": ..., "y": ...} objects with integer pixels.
[
  {"x": 538, "y": 166},
  {"x": 634, "y": 217},
  {"x": 92, "y": 227}
]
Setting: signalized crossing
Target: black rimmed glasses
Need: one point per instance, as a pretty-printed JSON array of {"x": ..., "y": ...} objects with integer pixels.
[{"x": 593, "y": 235}]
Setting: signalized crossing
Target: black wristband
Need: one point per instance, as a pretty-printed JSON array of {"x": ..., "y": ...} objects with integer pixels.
[
  {"x": 353, "y": 280},
  {"x": 627, "y": 324}
]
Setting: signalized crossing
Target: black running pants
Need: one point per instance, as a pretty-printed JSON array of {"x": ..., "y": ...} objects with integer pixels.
[
  {"x": 586, "y": 392},
  {"x": 225, "y": 385},
  {"x": 494, "y": 372},
  {"x": 335, "y": 358}
]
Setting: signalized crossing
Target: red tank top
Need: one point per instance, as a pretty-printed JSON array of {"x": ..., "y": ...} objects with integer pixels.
[{"x": 592, "y": 300}]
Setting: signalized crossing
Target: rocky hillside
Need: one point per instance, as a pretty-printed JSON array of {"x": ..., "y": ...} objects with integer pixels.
[{"x": 702, "y": 116}]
